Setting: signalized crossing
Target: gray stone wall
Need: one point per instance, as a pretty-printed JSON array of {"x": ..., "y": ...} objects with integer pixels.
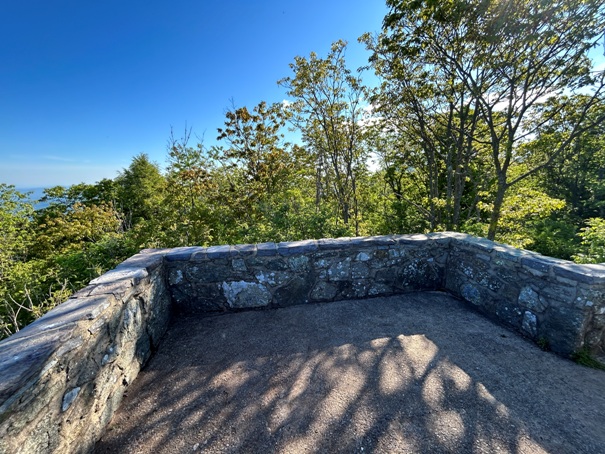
[
  {"x": 558, "y": 304},
  {"x": 63, "y": 376},
  {"x": 272, "y": 275}
]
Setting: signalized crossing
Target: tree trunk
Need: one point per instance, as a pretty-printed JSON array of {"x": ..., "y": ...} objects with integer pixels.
[
  {"x": 495, "y": 217},
  {"x": 345, "y": 213}
]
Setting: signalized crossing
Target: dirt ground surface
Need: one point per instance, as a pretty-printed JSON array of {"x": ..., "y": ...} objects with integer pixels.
[{"x": 418, "y": 373}]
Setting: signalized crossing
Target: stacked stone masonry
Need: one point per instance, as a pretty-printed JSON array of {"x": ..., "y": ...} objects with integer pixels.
[{"x": 62, "y": 377}]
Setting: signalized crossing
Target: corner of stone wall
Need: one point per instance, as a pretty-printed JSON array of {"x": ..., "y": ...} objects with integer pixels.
[
  {"x": 556, "y": 303},
  {"x": 64, "y": 375}
]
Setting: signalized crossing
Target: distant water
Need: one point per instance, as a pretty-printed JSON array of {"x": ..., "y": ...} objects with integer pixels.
[{"x": 36, "y": 194}]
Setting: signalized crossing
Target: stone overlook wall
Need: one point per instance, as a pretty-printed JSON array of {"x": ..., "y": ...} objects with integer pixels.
[
  {"x": 62, "y": 377},
  {"x": 559, "y": 304},
  {"x": 554, "y": 302},
  {"x": 221, "y": 278}
]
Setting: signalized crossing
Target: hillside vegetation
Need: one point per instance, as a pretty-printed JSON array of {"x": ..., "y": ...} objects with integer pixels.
[{"x": 489, "y": 119}]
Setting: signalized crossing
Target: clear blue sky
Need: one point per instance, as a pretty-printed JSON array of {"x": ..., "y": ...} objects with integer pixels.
[{"x": 85, "y": 86}]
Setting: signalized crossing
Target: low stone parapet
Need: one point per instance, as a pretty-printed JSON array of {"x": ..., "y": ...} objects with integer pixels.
[
  {"x": 557, "y": 303},
  {"x": 63, "y": 376},
  {"x": 275, "y": 275}
]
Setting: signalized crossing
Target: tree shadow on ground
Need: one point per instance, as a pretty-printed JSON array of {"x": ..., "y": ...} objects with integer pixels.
[{"x": 413, "y": 373}]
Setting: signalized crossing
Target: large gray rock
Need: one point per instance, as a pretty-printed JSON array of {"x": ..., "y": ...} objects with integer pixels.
[
  {"x": 246, "y": 295},
  {"x": 324, "y": 291}
]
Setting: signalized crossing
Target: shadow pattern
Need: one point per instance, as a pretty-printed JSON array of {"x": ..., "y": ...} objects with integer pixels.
[{"x": 413, "y": 373}]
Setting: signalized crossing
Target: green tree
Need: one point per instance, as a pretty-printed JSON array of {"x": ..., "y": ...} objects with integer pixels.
[
  {"x": 426, "y": 120},
  {"x": 329, "y": 111},
  {"x": 17, "y": 235},
  {"x": 256, "y": 163},
  {"x": 185, "y": 216},
  {"x": 577, "y": 174},
  {"x": 524, "y": 211},
  {"x": 255, "y": 145},
  {"x": 23, "y": 293},
  {"x": 60, "y": 198},
  {"x": 140, "y": 190},
  {"x": 593, "y": 242},
  {"x": 16, "y": 212},
  {"x": 46, "y": 255},
  {"x": 510, "y": 56},
  {"x": 75, "y": 228}
]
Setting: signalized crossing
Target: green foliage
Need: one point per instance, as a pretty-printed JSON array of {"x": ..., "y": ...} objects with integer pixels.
[
  {"x": 577, "y": 174},
  {"x": 76, "y": 226},
  {"x": 140, "y": 190},
  {"x": 328, "y": 110},
  {"x": 257, "y": 168},
  {"x": 593, "y": 242},
  {"x": 184, "y": 213},
  {"x": 17, "y": 236},
  {"x": 47, "y": 255},
  {"x": 61, "y": 199},
  {"x": 15, "y": 215},
  {"x": 521, "y": 210},
  {"x": 479, "y": 72},
  {"x": 555, "y": 236}
]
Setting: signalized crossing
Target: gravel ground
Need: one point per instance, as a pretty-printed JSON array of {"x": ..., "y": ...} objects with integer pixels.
[{"x": 418, "y": 373}]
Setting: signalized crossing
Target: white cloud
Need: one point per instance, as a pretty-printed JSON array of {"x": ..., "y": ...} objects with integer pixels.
[{"x": 599, "y": 66}]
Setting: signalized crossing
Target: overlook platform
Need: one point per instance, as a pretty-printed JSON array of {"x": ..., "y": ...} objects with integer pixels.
[
  {"x": 420, "y": 372},
  {"x": 389, "y": 373}
]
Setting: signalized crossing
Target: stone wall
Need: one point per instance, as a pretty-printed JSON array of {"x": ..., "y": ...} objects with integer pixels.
[
  {"x": 558, "y": 304},
  {"x": 275, "y": 275},
  {"x": 554, "y": 302},
  {"x": 62, "y": 377}
]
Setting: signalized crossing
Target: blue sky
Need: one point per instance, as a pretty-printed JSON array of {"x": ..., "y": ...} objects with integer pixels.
[{"x": 85, "y": 86}]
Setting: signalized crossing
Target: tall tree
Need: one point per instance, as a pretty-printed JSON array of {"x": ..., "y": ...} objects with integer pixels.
[
  {"x": 140, "y": 190},
  {"x": 429, "y": 119},
  {"x": 328, "y": 109},
  {"x": 510, "y": 55},
  {"x": 255, "y": 147},
  {"x": 578, "y": 172},
  {"x": 259, "y": 169},
  {"x": 185, "y": 211}
]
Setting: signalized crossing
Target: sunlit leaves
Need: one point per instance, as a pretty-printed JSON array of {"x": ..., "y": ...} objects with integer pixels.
[
  {"x": 140, "y": 190},
  {"x": 522, "y": 209},
  {"x": 183, "y": 215},
  {"x": 509, "y": 56},
  {"x": 593, "y": 242},
  {"x": 46, "y": 255},
  {"x": 16, "y": 212},
  {"x": 328, "y": 110},
  {"x": 74, "y": 228}
]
